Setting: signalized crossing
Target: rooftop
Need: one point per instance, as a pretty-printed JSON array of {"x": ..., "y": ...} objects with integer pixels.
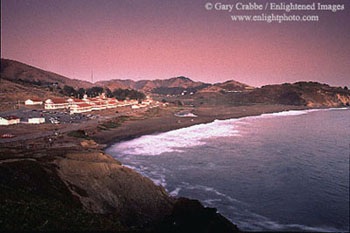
[{"x": 12, "y": 117}]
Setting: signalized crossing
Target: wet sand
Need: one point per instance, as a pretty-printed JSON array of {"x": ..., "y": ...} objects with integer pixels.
[{"x": 166, "y": 121}]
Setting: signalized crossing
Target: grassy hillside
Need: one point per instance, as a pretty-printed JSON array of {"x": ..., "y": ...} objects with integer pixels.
[
  {"x": 12, "y": 93},
  {"x": 311, "y": 94},
  {"x": 14, "y": 70}
]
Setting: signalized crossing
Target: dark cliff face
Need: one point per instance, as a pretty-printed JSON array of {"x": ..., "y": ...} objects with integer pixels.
[
  {"x": 110, "y": 188},
  {"x": 91, "y": 191},
  {"x": 190, "y": 216}
]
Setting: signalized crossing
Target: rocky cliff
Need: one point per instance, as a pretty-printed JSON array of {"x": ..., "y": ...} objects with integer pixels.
[
  {"x": 84, "y": 189},
  {"x": 110, "y": 187}
]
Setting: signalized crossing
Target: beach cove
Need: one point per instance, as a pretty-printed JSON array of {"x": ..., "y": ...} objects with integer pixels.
[{"x": 182, "y": 162}]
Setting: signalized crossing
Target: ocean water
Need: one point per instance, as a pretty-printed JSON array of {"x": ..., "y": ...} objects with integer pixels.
[{"x": 286, "y": 171}]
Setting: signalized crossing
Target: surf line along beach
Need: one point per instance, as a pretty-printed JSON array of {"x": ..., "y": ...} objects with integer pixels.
[
  {"x": 263, "y": 142},
  {"x": 167, "y": 120}
]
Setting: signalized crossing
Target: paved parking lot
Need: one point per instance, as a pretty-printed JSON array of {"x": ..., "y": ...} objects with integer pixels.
[{"x": 50, "y": 116}]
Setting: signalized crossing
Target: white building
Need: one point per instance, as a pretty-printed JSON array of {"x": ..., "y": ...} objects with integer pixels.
[
  {"x": 9, "y": 120},
  {"x": 72, "y": 101},
  {"x": 112, "y": 104},
  {"x": 147, "y": 102},
  {"x": 130, "y": 102},
  {"x": 56, "y": 104},
  {"x": 99, "y": 106},
  {"x": 36, "y": 120},
  {"x": 79, "y": 108},
  {"x": 33, "y": 102},
  {"x": 135, "y": 106}
]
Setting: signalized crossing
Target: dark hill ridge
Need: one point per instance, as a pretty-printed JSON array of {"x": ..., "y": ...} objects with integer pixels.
[
  {"x": 232, "y": 85},
  {"x": 15, "y": 71},
  {"x": 227, "y": 86},
  {"x": 310, "y": 94},
  {"x": 149, "y": 85},
  {"x": 307, "y": 94}
]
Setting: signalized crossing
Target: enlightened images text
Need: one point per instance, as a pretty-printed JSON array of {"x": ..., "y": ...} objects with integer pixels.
[{"x": 253, "y": 6}]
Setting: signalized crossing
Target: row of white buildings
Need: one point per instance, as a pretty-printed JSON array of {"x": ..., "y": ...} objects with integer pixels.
[
  {"x": 87, "y": 104},
  {"x": 13, "y": 120}
]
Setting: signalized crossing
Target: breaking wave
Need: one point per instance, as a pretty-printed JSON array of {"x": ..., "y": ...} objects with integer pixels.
[
  {"x": 196, "y": 135},
  {"x": 245, "y": 218},
  {"x": 239, "y": 210},
  {"x": 173, "y": 141}
]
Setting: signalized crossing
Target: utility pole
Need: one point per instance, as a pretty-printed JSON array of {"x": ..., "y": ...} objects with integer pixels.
[{"x": 92, "y": 76}]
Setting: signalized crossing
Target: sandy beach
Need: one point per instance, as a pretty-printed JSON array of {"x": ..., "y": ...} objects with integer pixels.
[{"x": 165, "y": 120}]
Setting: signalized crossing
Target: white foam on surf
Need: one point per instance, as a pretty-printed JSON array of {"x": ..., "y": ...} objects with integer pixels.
[
  {"x": 256, "y": 222},
  {"x": 249, "y": 220},
  {"x": 196, "y": 135},
  {"x": 204, "y": 188},
  {"x": 158, "y": 178},
  {"x": 245, "y": 218},
  {"x": 286, "y": 113},
  {"x": 175, "y": 192},
  {"x": 193, "y": 136},
  {"x": 176, "y": 140}
]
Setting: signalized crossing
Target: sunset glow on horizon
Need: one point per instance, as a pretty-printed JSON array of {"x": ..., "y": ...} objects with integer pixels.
[{"x": 158, "y": 39}]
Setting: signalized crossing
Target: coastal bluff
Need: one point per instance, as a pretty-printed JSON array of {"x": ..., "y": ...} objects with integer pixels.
[
  {"x": 104, "y": 186},
  {"x": 84, "y": 189}
]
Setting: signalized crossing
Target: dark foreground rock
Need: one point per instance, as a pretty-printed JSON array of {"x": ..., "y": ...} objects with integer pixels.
[
  {"x": 90, "y": 191},
  {"x": 190, "y": 216}
]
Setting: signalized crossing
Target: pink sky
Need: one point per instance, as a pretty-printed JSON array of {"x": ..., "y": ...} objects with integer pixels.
[{"x": 166, "y": 38}]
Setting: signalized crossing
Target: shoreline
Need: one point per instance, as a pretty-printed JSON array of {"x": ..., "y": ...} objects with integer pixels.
[
  {"x": 141, "y": 128},
  {"x": 68, "y": 156},
  {"x": 303, "y": 111}
]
